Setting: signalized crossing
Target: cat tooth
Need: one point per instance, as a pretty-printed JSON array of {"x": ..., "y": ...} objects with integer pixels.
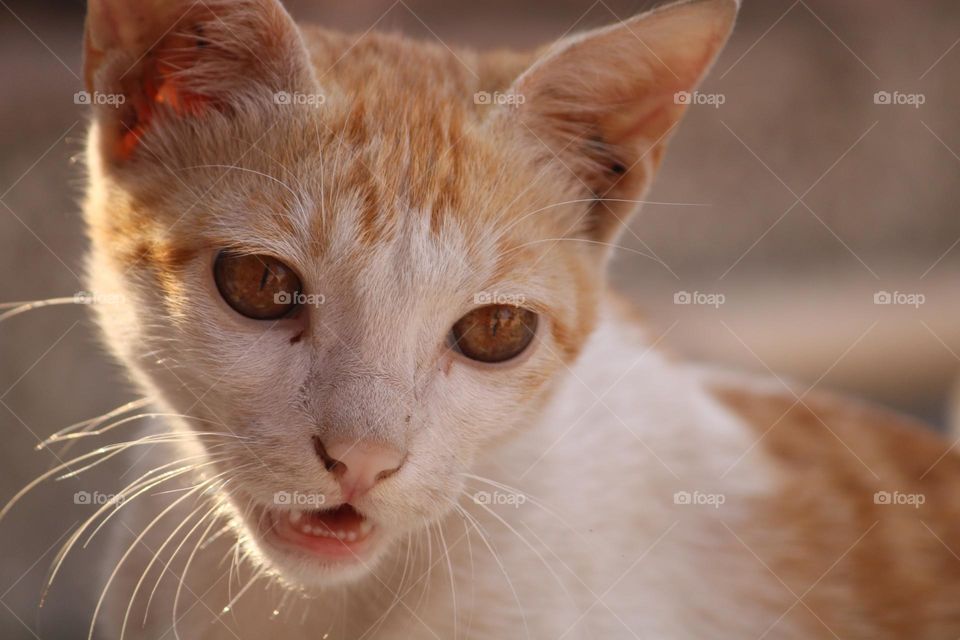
[
  {"x": 341, "y": 535},
  {"x": 296, "y": 516},
  {"x": 352, "y": 536},
  {"x": 366, "y": 527}
]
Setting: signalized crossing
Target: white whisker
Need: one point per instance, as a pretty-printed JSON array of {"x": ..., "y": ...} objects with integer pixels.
[
  {"x": 453, "y": 587},
  {"x": 584, "y": 241},
  {"x": 17, "y": 308},
  {"x": 130, "y": 549},
  {"x": 153, "y": 560},
  {"x": 503, "y": 570},
  {"x": 95, "y": 422}
]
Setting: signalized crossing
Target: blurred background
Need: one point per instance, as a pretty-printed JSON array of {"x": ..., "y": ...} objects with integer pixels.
[{"x": 801, "y": 200}]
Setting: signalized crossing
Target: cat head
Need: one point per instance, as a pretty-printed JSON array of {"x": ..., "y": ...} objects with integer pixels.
[{"x": 355, "y": 263}]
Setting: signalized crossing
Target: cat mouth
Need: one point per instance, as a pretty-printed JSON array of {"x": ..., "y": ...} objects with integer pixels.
[{"x": 337, "y": 533}]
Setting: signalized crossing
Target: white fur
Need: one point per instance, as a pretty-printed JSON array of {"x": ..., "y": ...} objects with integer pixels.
[{"x": 612, "y": 556}]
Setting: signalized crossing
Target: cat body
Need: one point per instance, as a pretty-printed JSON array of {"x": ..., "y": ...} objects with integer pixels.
[{"x": 295, "y": 219}]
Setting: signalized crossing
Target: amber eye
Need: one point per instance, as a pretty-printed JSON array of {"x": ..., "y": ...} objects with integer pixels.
[
  {"x": 257, "y": 286},
  {"x": 495, "y": 333}
]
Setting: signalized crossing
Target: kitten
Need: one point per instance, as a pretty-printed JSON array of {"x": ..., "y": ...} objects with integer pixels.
[{"x": 366, "y": 277}]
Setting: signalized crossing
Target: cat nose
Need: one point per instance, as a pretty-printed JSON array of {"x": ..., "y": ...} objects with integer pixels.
[{"x": 358, "y": 465}]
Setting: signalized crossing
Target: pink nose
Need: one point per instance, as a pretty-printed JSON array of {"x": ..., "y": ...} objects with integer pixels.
[{"x": 358, "y": 466}]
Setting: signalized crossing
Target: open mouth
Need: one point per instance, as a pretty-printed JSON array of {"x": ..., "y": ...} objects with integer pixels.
[{"x": 340, "y": 532}]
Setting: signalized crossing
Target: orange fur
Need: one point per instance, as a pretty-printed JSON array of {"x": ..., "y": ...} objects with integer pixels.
[{"x": 902, "y": 579}]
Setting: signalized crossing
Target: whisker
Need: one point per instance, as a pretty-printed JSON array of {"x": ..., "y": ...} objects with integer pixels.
[
  {"x": 229, "y": 606},
  {"x": 423, "y": 594},
  {"x": 95, "y": 422},
  {"x": 153, "y": 560},
  {"x": 130, "y": 549},
  {"x": 503, "y": 570},
  {"x": 166, "y": 476},
  {"x": 120, "y": 501},
  {"x": 107, "y": 452},
  {"x": 453, "y": 588},
  {"x": 585, "y": 241},
  {"x": 17, "y": 308},
  {"x": 466, "y": 532},
  {"x": 245, "y": 170},
  {"x": 216, "y": 536},
  {"x": 398, "y": 595},
  {"x": 141, "y": 416},
  {"x": 91, "y": 424},
  {"x": 115, "y": 450},
  {"x": 534, "y": 500},
  {"x": 176, "y": 552},
  {"x": 594, "y": 201},
  {"x": 535, "y": 551},
  {"x": 183, "y": 577}
]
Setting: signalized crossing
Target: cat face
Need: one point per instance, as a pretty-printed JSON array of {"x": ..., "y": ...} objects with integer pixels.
[{"x": 353, "y": 266}]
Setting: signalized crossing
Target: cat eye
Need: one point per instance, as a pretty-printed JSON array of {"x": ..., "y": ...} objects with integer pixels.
[
  {"x": 495, "y": 333},
  {"x": 257, "y": 286}
]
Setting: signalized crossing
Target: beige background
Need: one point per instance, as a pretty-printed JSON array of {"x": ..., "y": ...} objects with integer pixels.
[{"x": 877, "y": 186}]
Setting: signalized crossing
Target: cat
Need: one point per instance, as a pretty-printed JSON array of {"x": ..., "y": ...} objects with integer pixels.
[{"x": 365, "y": 278}]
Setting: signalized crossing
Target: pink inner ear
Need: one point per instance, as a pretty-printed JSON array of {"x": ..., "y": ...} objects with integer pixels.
[{"x": 157, "y": 85}]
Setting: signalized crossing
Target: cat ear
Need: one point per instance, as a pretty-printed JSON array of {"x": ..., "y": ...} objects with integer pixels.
[
  {"x": 602, "y": 105},
  {"x": 155, "y": 60}
]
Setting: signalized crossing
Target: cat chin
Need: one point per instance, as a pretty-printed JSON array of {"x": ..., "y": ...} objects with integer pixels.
[{"x": 300, "y": 571}]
